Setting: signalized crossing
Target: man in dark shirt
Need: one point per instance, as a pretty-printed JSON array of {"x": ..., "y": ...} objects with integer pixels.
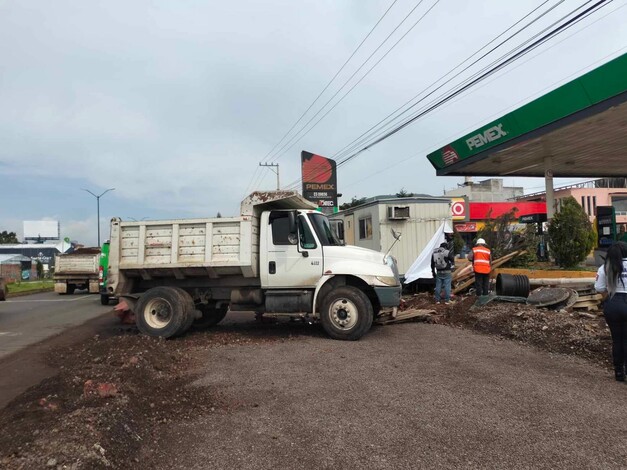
[{"x": 442, "y": 262}]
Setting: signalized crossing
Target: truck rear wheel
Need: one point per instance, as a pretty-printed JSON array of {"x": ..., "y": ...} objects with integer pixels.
[
  {"x": 188, "y": 302},
  {"x": 161, "y": 311},
  {"x": 104, "y": 299},
  {"x": 346, "y": 313},
  {"x": 70, "y": 289},
  {"x": 211, "y": 316}
]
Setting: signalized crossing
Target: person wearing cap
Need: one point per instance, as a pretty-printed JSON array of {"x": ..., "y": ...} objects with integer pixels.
[{"x": 481, "y": 259}]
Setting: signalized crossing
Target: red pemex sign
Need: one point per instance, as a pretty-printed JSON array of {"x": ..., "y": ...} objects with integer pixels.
[{"x": 319, "y": 180}]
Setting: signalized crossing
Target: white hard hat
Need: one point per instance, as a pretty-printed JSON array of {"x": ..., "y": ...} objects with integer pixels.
[{"x": 480, "y": 241}]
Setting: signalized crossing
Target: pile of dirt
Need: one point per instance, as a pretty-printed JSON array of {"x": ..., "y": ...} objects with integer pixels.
[
  {"x": 563, "y": 331},
  {"x": 111, "y": 398}
]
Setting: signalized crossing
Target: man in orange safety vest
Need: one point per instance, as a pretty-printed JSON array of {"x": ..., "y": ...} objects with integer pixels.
[{"x": 481, "y": 259}]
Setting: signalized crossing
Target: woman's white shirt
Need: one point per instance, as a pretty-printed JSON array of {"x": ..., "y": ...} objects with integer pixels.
[{"x": 600, "y": 284}]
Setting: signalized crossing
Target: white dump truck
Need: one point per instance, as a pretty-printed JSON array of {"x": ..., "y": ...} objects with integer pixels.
[
  {"x": 279, "y": 258},
  {"x": 77, "y": 270}
]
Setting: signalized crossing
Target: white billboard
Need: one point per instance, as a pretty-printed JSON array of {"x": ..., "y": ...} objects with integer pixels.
[{"x": 41, "y": 230}]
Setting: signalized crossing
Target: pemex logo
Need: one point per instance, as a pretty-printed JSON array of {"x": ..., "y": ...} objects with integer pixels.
[
  {"x": 316, "y": 169},
  {"x": 449, "y": 156}
]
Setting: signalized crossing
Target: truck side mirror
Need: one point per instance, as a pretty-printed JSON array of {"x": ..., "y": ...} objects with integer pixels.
[{"x": 291, "y": 217}]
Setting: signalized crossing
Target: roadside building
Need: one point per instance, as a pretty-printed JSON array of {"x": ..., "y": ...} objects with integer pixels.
[
  {"x": 15, "y": 266},
  {"x": 590, "y": 195},
  {"x": 417, "y": 218},
  {"x": 480, "y": 212},
  {"x": 43, "y": 252},
  {"x": 490, "y": 190}
]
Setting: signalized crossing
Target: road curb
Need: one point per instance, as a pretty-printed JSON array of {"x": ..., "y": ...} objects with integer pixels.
[{"x": 29, "y": 292}]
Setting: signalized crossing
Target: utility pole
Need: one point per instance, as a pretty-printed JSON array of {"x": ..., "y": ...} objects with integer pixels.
[
  {"x": 98, "y": 196},
  {"x": 272, "y": 167}
]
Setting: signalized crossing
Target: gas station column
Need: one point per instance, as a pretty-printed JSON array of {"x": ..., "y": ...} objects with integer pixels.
[{"x": 548, "y": 182}]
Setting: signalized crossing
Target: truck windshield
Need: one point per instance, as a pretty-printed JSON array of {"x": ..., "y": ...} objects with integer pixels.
[{"x": 323, "y": 229}]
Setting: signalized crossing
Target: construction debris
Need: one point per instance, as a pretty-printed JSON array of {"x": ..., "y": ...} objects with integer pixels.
[
  {"x": 406, "y": 315},
  {"x": 466, "y": 277},
  {"x": 548, "y": 296}
]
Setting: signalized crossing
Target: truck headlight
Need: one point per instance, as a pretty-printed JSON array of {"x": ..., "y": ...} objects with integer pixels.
[{"x": 387, "y": 280}]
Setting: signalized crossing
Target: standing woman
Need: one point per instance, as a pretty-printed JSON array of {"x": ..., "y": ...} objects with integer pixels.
[{"x": 612, "y": 278}]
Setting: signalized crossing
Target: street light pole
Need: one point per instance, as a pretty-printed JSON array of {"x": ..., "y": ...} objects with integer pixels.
[{"x": 98, "y": 196}]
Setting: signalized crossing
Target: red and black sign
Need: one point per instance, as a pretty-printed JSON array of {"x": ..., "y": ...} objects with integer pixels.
[{"x": 319, "y": 181}]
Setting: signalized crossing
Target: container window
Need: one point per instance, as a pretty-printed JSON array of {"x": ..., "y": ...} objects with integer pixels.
[{"x": 365, "y": 228}]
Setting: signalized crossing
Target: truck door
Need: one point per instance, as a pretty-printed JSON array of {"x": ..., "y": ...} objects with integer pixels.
[{"x": 294, "y": 259}]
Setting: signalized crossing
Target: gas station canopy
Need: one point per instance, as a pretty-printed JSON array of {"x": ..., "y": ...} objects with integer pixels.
[{"x": 576, "y": 130}]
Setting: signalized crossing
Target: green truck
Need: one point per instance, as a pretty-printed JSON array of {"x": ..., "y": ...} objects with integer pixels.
[{"x": 102, "y": 274}]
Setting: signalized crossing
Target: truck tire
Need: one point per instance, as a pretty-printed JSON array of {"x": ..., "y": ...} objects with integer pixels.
[
  {"x": 346, "y": 313},
  {"x": 211, "y": 316},
  {"x": 104, "y": 299},
  {"x": 161, "y": 311},
  {"x": 188, "y": 302},
  {"x": 70, "y": 289}
]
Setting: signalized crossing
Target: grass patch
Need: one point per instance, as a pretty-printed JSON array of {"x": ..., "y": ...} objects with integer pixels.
[{"x": 27, "y": 286}]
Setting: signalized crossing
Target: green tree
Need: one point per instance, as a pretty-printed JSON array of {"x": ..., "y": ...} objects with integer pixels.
[
  {"x": 8, "y": 238},
  {"x": 502, "y": 240},
  {"x": 571, "y": 236},
  {"x": 496, "y": 232},
  {"x": 458, "y": 242},
  {"x": 353, "y": 202},
  {"x": 40, "y": 270},
  {"x": 404, "y": 193}
]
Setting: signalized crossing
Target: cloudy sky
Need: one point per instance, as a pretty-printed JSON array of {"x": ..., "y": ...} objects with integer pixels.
[{"x": 175, "y": 103}]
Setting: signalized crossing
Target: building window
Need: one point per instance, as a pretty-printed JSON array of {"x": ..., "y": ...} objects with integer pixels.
[
  {"x": 365, "y": 228},
  {"x": 583, "y": 203},
  {"x": 589, "y": 206},
  {"x": 594, "y": 205},
  {"x": 620, "y": 204}
]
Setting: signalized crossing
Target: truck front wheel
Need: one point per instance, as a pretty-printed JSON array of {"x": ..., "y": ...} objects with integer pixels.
[
  {"x": 161, "y": 312},
  {"x": 346, "y": 313}
]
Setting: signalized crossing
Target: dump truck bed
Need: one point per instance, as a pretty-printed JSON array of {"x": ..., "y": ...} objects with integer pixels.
[
  {"x": 78, "y": 263},
  {"x": 187, "y": 247}
]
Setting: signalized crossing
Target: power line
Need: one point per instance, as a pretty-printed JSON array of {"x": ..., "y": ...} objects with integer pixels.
[
  {"x": 300, "y": 134},
  {"x": 498, "y": 113},
  {"x": 373, "y": 130},
  {"x": 448, "y": 73},
  {"x": 378, "y": 127},
  {"x": 331, "y": 81},
  {"x": 469, "y": 83},
  {"x": 321, "y": 93}
]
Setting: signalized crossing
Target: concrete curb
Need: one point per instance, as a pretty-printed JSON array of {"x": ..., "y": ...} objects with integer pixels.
[{"x": 29, "y": 292}]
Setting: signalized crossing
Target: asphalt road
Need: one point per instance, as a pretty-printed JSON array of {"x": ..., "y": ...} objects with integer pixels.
[
  {"x": 29, "y": 319},
  {"x": 29, "y": 331},
  {"x": 404, "y": 396}
]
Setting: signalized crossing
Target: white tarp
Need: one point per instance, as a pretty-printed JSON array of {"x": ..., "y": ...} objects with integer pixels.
[{"x": 421, "y": 268}]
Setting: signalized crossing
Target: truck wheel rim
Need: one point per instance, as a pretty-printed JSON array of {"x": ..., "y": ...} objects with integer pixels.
[
  {"x": 344, "y": 314},
  {"x": 158, "y": 313}
]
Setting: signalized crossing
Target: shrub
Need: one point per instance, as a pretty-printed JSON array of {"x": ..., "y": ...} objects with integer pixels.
[{"x": 570, "y": 235}]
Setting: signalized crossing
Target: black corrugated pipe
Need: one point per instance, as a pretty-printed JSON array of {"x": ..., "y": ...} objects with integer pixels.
[{"x": 515, "y": 285}]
